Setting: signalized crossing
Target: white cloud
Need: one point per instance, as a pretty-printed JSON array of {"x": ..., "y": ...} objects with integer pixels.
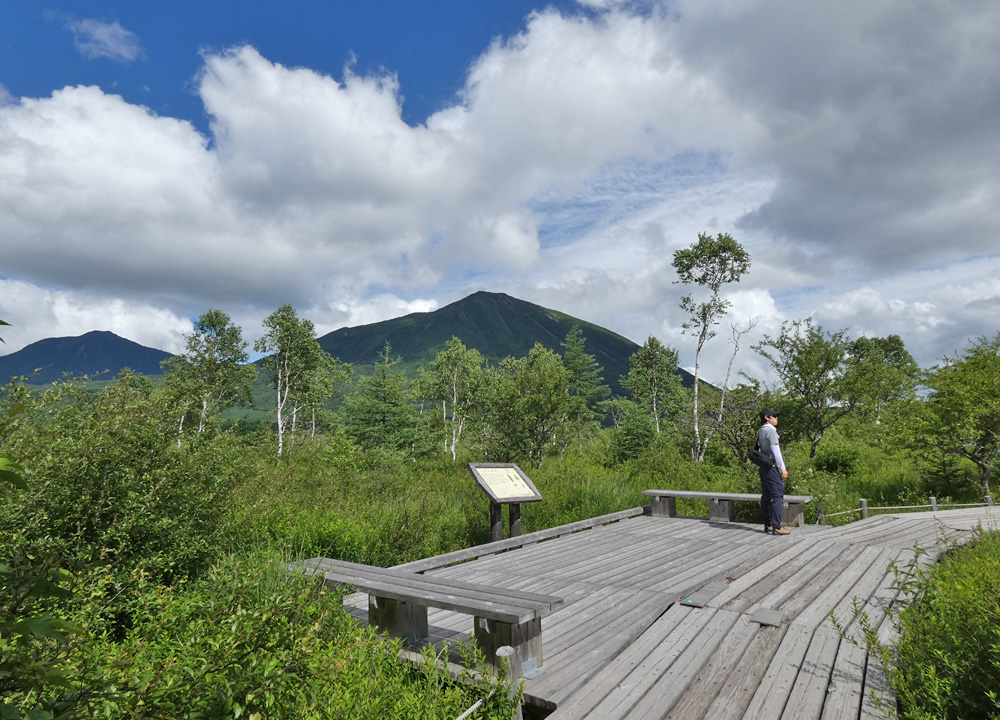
[
  {"x": 28, "y": 307},
  {"x": 849, "y": 149},
  {"x": 95, "y": 39}
]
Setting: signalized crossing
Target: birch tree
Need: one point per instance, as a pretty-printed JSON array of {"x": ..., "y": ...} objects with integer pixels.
[
  {"x": 212, "y": 374},
  {"x": 710, "y": 263},
  {"x": 455, "y": 379},
  {"x": 293, "y": 358}
]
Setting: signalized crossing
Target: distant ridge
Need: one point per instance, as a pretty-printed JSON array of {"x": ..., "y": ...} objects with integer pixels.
[
  {"x": 95, "y": 352},
  {"x": 495, "y": 324}
]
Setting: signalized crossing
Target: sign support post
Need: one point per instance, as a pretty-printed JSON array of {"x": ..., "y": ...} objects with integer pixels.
[{"x": 504, "y": 484}]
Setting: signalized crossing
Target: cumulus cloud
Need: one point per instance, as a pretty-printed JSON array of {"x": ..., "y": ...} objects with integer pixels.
[
  {"x": 61, "y": 313},
  {"x": 95, "y": 39},
  {"x": 852, "y": 150},
  {"x": 875, "y": 116}
]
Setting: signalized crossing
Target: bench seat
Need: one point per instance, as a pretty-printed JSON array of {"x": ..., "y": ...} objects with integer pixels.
[
  {"x": 721, "y": 505},
  {"x": 398, "y": 602}
]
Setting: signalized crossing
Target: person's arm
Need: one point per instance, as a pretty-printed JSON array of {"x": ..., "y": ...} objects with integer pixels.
[{"x": 776, "y": 454}]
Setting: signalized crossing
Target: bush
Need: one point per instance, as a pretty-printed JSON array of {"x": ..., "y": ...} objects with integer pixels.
[
  {"x": 248, "y": 640},
  {"x": 946, "y": 662},
  {"x": 111, "y": 486}
]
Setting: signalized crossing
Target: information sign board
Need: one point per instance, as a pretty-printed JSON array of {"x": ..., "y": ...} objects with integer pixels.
[{"x": 505, "y": 483}]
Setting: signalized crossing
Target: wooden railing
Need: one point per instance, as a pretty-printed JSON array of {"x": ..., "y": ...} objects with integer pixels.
[{"x": 932, "y": 503}]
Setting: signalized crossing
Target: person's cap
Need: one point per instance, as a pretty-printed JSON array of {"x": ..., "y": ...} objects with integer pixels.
[{"x": 768, "y": 412}]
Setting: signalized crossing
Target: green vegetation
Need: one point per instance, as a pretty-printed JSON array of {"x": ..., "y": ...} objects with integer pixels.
[
  {"x": 145, "y": 537},
  {"x": 946, "y": 665}
]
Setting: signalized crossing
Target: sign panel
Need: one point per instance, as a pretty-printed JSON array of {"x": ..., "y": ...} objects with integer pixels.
[{"x": 504, "y": 483}]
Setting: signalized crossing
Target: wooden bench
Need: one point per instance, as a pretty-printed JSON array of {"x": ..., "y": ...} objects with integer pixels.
[
  {"x": 398, "y": 602},
  {"x": 721, "y": 505}
]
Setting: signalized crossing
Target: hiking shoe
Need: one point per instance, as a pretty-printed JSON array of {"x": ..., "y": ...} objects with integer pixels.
[
  {"x": 767, "y": 529},
  {"x": 781, "y": 530}
]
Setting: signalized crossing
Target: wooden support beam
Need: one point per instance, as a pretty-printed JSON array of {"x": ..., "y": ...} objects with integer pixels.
[
  {"x": 525, "y": 639},
  {"x": 399, "y": 618}
]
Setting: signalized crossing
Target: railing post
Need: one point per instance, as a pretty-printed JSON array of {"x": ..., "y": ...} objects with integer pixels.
[
  {"x": 505, "y": 656},
  {"x": 989, "y": 501},
  {"x": 864, "y": 509},
  {"x": 933, "y": 503}
]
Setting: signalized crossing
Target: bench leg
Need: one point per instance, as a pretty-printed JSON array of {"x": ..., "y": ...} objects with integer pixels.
[
  {"x": 398, "y": 618},
  {"x": 721, "y": 510},
  {"x": 526, "y": 639},
  {"x": 663, "y": 506},
  {"x": 795, "y": 514}
]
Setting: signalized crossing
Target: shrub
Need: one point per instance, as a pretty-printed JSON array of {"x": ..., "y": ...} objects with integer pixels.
[
  {"x": 110, "y": 487},
  {"x": 946, "y": 662}
]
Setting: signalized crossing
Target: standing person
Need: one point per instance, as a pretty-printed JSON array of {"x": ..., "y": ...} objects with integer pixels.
[{"x": 772, "y": 479}]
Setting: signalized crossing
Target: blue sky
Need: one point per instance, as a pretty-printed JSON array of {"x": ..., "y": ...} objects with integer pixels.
[
  {"x": 364, "y": 161},
  {"x": 428, "y": 45}
]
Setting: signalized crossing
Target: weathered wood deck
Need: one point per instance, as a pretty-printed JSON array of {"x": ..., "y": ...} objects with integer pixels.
[{"x": 752, "y": 640}]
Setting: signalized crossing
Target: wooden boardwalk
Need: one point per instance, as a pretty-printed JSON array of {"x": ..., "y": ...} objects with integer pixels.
[{"x": 683, "y": 618}]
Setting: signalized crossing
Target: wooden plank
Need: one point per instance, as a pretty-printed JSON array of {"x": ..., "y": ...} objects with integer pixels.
[
  {"x": 707, "y": 685},
  {"x": 701, "y": 597},
  {"x": 772, "y": 692},
  {"x": 858, "y": 583},
  {"x": 625, "y": 609},
  {"x": 768, "y": 582},
  {"x": 878, "y": 693},
  {"x": 750, "y": 574},
  {"x": 507, "y": 613},
  {"x": 611, "y": 677},
  {"x": 633, "y": 568},
  {"x": 847, "y": 683},
  {"x": 805, "y": 701},
  {"x": 491, "y": 548},
  {"x": 724, "y": 564},
  {"x": 709, "y": 494},
  {"x": 767, "y": 616},
  {"x": 474, "y": 589},
  {"x": 567, "y": 555},
  {"x": 621, "y": 701},
  {"x": 459, "y": 601},
  {"x": 578, "y": 664},
  {"x": 739, "y": 688},
  {"x": 674, "y": 682},
  {"x": 477, "y": 596},
  {"x": 812, "y": 593},
  {"x": 580, "y": 613}
]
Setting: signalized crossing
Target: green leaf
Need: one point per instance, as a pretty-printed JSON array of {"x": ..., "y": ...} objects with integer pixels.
[{"x": 41, "y": 627}]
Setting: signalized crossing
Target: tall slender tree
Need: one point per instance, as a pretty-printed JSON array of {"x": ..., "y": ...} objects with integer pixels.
[
  {"x": 653, "y": 381},
  {"x": 587, "y": 391},
  {"x": 454, "y": 378},
  {"x": 710, "y": 263},
  {"x": 293, "y": 359}
]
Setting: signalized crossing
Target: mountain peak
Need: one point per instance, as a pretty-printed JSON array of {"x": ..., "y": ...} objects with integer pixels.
[
  {"x": 495, "y": 324},
  {"x": 94, "y": 352}
]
